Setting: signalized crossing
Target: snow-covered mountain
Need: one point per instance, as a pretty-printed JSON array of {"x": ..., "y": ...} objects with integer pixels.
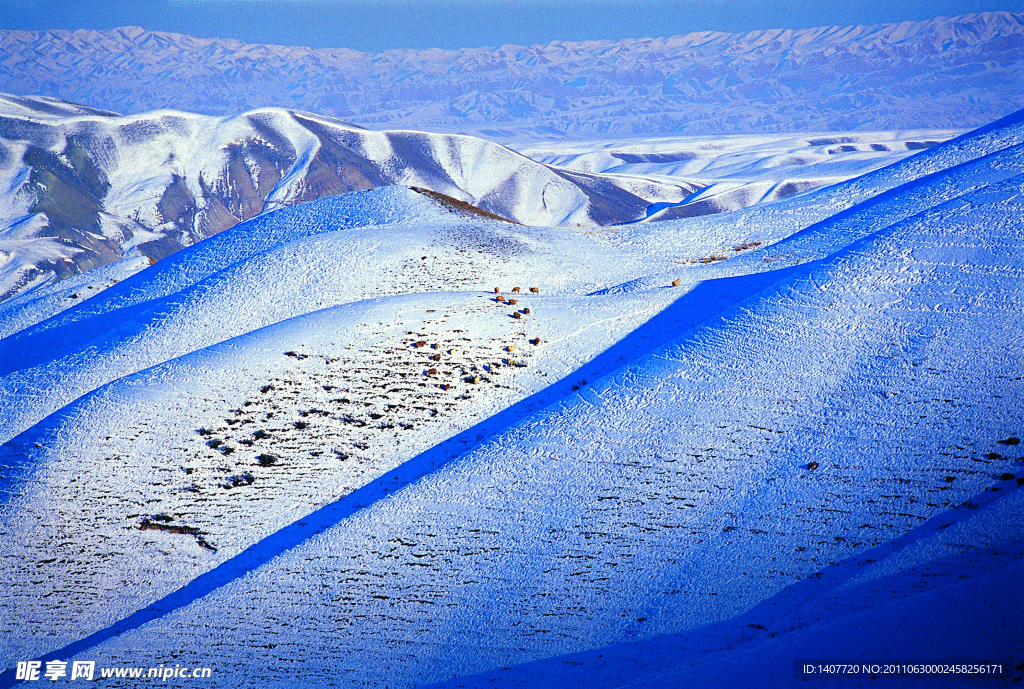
[
  {"x": 81, "y": 188},
  {"x": 318, "y": 449},
  {"x": 942, "y": 73},
  {"x": 738, "y": 171}
]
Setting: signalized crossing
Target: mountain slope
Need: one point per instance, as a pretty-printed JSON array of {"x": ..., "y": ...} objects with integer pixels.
[
  {"x": 944, "y": 72},
  {"x": 278, "y": 266},
  {"x": 84, "y": 188}
]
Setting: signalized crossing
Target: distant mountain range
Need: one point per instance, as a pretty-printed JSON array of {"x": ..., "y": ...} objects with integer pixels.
[
  {"x": 81, "y": 188},
  {"x": 945, "y": 73}
]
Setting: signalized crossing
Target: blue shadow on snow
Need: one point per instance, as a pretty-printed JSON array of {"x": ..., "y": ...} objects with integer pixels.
[{"x": 704, "y": 301}]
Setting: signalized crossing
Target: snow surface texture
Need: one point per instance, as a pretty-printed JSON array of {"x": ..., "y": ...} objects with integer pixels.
[
  {"x": 81, "y": 189},
  {"x": 806, "y": 449},
  {"x": 945, "y": 72}
]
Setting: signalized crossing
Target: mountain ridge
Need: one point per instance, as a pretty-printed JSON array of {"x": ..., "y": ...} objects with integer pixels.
[{"x": 944, "y": 72}]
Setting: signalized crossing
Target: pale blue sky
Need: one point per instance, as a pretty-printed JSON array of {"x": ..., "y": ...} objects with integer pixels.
[{"x": 379, "y": 24}]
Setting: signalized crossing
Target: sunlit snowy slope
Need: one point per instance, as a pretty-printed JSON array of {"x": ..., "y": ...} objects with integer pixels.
[{"x": 318, "y": 449}]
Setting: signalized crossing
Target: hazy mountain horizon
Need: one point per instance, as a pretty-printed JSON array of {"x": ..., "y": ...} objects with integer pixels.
[{"x": 942, "y": 73}]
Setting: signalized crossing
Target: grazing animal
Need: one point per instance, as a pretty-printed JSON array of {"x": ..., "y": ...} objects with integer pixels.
[
  {"x": 535, "y": 341},
  {"x": 436, "y": 357},
  {"x": 675, "y": 283},
  {"x": 516, "y": 315},
  {"x": 432, "y": 372},
  {"x": 510, "y": 348},
  {"x": 496, "y": 290},
  {"x": 526, "y": 310},
  {"x": 500, "y": 299},
  {"x": 513, "y": 302},
  {"x": 535, "y": 290},
  {"x": 419, "y": 344},
  {"x": 515, "y": 289},
  {"x": 445, "y": 386}
]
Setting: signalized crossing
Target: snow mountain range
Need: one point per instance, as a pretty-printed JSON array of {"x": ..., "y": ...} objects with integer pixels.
[
  {"x": 941, "y": 73},
  {"x": 83, "y": 188}
]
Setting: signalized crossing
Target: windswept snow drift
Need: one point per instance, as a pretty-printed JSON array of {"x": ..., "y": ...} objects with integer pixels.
[{"x": 317, "y": 449}]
